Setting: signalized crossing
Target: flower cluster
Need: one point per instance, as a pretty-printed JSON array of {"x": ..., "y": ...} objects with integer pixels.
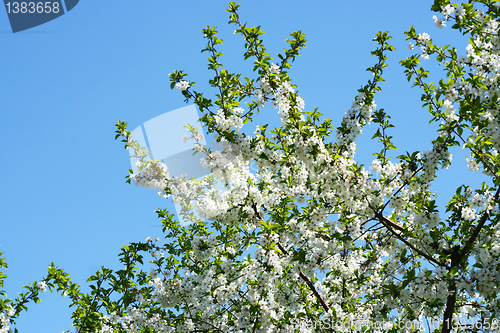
[
  {"x": 182, "y": 85},
  {"x": 151, "y": 175},
  {"x": 356, "y": 118},
  {"x": 232, "y": 121},
  {"x": 5, "y": 316}
]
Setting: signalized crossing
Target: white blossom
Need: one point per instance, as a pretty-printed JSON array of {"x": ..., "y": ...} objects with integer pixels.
[
  {"x": 182, "y": 85},
  {"x": 439, "y": 23},
  {"x": 42, "y": 286}
]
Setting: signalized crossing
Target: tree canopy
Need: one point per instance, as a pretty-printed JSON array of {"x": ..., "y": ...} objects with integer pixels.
[{"x": 289, "y": 232}]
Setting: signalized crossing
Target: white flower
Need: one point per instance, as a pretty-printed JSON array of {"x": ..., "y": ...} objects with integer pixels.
[
  {"x": 42, "y": 286},
  {"x": 260, "y": 99},
  {"x": 300, "y": 103},
  {"x": 440, "y": 24},
  {"x": 107, "y": 329},
  {"x": 469, "y": 214},
  {"x": 450, "y": 117},
  {"x": 376, "y": 166},
  {"x": 238, "y": 110},
  {"x": 480, "y": 15},
  {"x": 198, "y": 147},
  {"x": 447, "y": 10},
  {"x": 264, "y": 85},
  {"x": 182, "y": 85},
  {"x": 449, "y": 106},
  {"x": 411, "y": 46},
  {"x": 423, "y": 38},
  {"x": 185, "y": 138},
  {"x": 274, "y": 68},
  {"x": 473, "y": 166},
  {"x": 452, "y": 94}
]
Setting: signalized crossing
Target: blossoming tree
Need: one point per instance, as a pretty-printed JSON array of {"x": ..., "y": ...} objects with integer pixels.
[{"x": 313, "y": 241}]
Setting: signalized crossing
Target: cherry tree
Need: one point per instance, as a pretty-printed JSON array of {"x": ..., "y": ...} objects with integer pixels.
[{"x": 289, "y": 232}]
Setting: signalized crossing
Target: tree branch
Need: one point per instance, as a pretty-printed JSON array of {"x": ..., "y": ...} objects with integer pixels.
[
  {"x": 477, "y": 230},
  {"x": 391, "y": 226},
  {"x": 452, "y": 297},
  {"x": 457, "y": 254},
  {"x": 308, "y": 282}
]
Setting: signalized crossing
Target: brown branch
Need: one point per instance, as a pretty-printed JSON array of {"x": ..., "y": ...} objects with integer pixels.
[
  {"x": 391, "y": 226},
  {"x": 452, "y": 297},
  {"x": 477, "y": 230},
  {"x": 457, "y": 254},
  {"x": 308, "y": 282}
]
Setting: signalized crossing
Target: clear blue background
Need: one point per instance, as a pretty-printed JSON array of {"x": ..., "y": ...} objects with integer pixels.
[{"x": 65, "y": 84}]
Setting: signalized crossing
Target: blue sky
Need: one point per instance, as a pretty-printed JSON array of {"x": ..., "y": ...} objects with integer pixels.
[{"x": 66, "y": 83}]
